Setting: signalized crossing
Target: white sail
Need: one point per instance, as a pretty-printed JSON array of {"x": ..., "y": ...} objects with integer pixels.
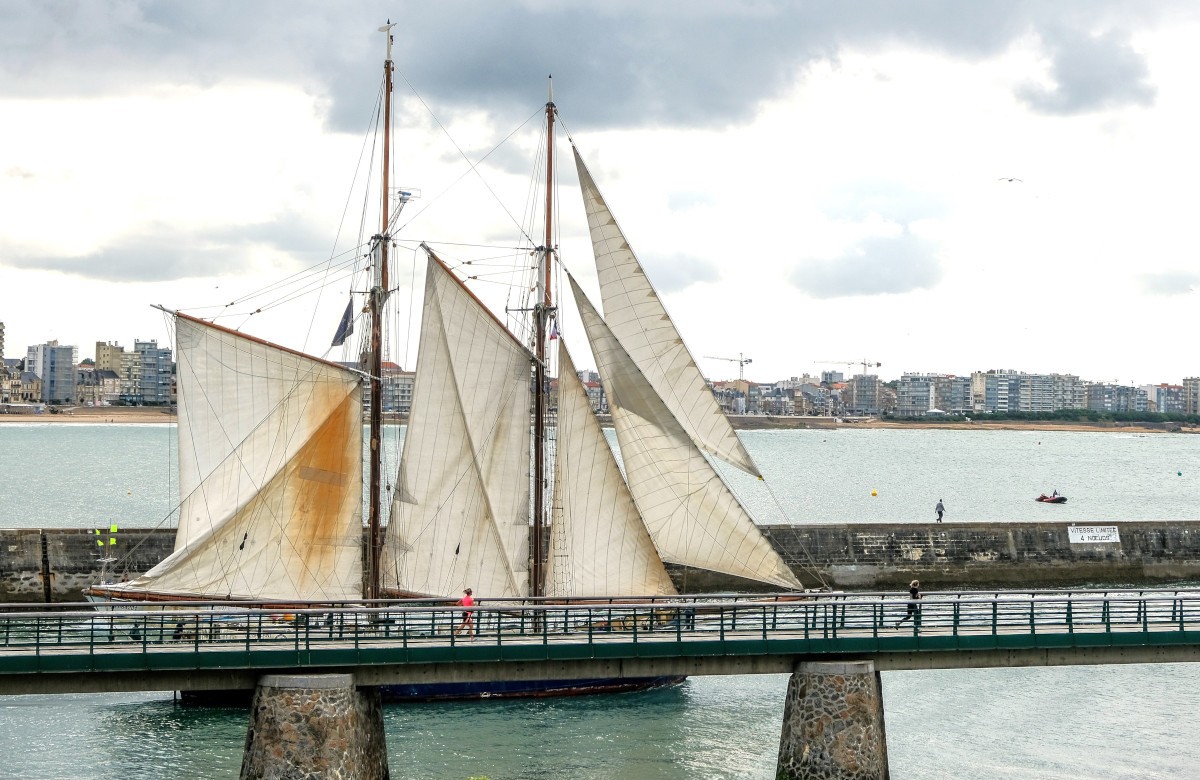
[
  {"x": 460, "y": 517},
  {"x": 598, "y": 543},
  {"x": 270, "y": 452},
  {"x": 689, "y": 511},
  {"x": 638, "y": 319}
]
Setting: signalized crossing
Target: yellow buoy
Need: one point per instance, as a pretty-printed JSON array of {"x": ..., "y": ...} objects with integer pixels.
[{"x": 874, "y": 493}]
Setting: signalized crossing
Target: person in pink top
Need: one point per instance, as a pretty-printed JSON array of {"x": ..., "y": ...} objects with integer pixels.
[{"x": 466, "y": 601}]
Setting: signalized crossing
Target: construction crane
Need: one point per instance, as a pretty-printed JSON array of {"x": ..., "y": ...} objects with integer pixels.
[
  {"x": 866, "y": 364},
  {"x": 741, "y": 360}
]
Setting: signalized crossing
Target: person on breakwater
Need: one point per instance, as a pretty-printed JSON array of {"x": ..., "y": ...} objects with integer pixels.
[
  {"x": 914, "y": 604},
  {"x": 466, "y": 601},
  {"x": 940, "y": 509}
]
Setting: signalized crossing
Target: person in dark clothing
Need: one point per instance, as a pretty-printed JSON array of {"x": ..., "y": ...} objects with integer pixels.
[
  {"x": 914, "y": 604},
  {"x": 940, "y": 509}
]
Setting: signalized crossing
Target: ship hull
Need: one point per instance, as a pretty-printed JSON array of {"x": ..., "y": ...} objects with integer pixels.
[{"x": 521, "y": 689}]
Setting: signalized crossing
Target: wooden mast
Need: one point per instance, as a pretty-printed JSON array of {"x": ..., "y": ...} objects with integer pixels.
[
  {"x": 542, "y": 312},
  {"x": 375, "y": 370}
]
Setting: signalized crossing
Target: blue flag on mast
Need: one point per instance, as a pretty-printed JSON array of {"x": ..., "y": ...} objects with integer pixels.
[{"x": 345, "y": 327}]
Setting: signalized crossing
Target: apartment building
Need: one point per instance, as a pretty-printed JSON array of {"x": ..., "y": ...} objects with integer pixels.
[
  {"x": 1191, "y": 395},
  {"x": 397, "y": 385},
  {"x": 97, "y": 387},
  {"x": 863, "y": 394},
  {"x": 1069, "y": 392},
  {"x": 1116, "y": 398},
  {"x": 995, "y": 391},
  {"x": 155, "y": 373},
  {"x": 915, "y": 395},
  {"x": 146, "y": 376},
  {"x": 1164, "y": 398},
  {"x": 1035, "y": 393},
  {"x": 54, "y": 364}
]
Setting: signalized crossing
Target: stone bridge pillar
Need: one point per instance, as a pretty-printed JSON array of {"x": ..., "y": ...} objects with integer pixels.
[
  {"x": 833, "y": 724},
  {"x": 314, "y": 727}
]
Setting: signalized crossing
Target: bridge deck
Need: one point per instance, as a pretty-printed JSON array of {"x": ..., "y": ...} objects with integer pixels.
[{"x": 208, "y": 645}]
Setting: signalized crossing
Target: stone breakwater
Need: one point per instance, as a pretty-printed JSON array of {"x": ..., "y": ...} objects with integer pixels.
[
  {"x": 58, "y": 564},
  {"x": 884, "y": 556}
]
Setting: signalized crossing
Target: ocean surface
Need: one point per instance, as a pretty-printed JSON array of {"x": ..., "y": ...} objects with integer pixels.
[
  {"x": 76, "y": 475},
  {"x": 1108, "y": 723}
]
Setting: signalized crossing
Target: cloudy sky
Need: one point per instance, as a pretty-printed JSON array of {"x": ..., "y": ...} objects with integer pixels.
[{"x": 938, "y": 186}]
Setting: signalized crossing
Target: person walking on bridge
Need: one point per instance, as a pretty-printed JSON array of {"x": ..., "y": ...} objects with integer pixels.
[
  {"x": 467, "y": 601},
  {"x": 940, "y": 509},
  {"x": 914, "y": 605}
]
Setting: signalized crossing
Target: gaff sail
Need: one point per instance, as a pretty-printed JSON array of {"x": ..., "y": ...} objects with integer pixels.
[
  {"x": 460, "y": 517},
  {"x": 599, "y": 545},
  {"x": 270, "y": 473}
]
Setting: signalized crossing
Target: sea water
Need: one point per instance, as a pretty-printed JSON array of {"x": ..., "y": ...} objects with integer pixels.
[
  {"x": 1112, "y": 722},
  {"x": 75, "y": 475}
]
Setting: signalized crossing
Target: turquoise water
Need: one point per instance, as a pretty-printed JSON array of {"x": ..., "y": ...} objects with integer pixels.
[
  {"x": 73, "y": 476},
  {"x": 1099, "y": 723},
  {"x": 1108, "y": 723}
]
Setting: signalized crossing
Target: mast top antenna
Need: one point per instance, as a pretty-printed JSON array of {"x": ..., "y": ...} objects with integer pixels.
[{"x": 387, "y": 28}]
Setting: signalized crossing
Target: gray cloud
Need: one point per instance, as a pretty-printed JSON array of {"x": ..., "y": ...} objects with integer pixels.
[
  {"x": 1090, "y": 74},
  {"x": 622, "y": 63},
  {"x": 877, "y": 266},
  {"x": 679, "y": 272},
  {"x": 1170, "y": 282},
  {"x": 161, "y": 253}
]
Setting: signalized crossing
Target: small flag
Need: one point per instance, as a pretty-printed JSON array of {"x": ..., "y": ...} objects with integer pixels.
[
  {"x": 554, "y": 330},
  {"x": 345, "y": 327}
]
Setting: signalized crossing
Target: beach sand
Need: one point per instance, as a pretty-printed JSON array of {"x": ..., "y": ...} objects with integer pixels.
[
  {"x": 150, "y": 414},
  {"x": 97, "y": 414}
]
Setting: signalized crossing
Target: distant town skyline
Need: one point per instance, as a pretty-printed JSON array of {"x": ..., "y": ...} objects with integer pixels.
[
  {"x": 87, "y": 350},
  {"x": 933, "y": 186}
]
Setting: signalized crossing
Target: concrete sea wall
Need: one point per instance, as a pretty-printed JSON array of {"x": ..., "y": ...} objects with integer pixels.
[
  {"x": 870, "y": 556},
  {"x": 61, "y": 562}
]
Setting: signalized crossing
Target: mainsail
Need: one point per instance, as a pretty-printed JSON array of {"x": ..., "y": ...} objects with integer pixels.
[
  {"x": 638, "y": 319},
  {"x": 689, "y": 511},
  {"x": 460, "y": 517},
  {"x": 598, "y": 543},
  {"x": 270, "y": 473}
]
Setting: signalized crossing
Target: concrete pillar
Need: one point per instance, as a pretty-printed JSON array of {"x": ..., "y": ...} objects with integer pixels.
[
  {"x": 315, "y": 727},
  {"x": 833, "y": 724}
]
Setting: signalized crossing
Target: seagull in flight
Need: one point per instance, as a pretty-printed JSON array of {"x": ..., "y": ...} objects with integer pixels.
[{"x": 1010, "y": 178}]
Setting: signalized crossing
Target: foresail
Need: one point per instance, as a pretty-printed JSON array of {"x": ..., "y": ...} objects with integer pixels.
[
  {"x": 638, "y": 319},
  {"x": 460, "y": 516},
  {"x": 598, "y": 543},
  {"x": 270, "y": 452},
  {"x": 689, "y": 511}
]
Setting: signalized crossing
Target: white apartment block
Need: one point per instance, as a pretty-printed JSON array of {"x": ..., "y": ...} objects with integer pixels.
[{"x": 54, "y": 364}]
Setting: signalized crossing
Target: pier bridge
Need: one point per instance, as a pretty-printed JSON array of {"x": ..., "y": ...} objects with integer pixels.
[{"x": 833, "y": 644}]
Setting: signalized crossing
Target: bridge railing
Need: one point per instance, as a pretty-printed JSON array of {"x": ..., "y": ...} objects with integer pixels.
[{"x": 79, "y": 628}]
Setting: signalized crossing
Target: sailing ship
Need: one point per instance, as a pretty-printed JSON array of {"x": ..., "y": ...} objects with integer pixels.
[{"x": 496, "y": 491}]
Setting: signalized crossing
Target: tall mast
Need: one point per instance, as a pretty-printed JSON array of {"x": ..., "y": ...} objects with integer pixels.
[
  {"x": 542, "y": 312},
  {"x": 378, "y": 294}
]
